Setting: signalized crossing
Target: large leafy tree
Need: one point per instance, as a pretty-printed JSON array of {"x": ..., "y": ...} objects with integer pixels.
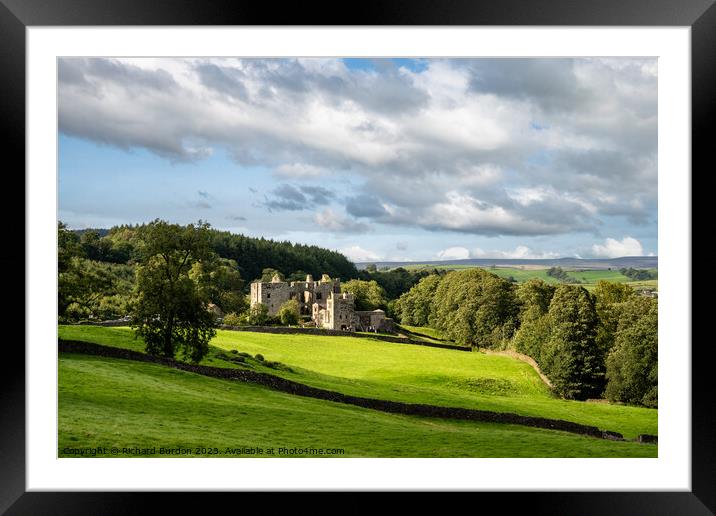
[
  {"x": 632, "y": 364},
  {"x": 220, "y": 281},
  {"x": 289, "y": 312},
  {"x": 258, "y": 315},
  {"x": 535, "y": 297},
  {"x": 68, "y": 246},
  {"x": 475, "y": 307},
  {"x": 170, "y": 308},
  {"x": 571, "y": 358},
  {"x": 92, "y": 289},
  {"x": 81, "y": 285},
  {"x": 415, "y": 307},
  {"x": 609, "y": 299},
  {"x": 368, "y": 295}
]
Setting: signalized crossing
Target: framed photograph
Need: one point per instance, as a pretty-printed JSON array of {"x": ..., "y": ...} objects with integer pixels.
[{"x": 437, "y": 250}]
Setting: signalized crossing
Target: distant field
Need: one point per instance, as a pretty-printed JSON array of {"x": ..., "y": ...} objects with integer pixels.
[
  {"x": 588, "y": 278},
  {"x": 118, "y": 403},
  {"x": 402, "y": 372}
]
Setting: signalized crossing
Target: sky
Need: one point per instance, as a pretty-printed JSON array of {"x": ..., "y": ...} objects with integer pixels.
[{"x": 380, "y": 159}]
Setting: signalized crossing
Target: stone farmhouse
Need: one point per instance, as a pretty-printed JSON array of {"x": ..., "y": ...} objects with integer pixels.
[{"x": 323, "y": 300}]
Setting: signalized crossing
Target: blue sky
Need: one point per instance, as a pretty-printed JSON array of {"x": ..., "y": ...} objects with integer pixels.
[{"x": 380, "y": 159}]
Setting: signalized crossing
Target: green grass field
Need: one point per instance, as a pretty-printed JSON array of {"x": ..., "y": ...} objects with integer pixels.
[
  {"x": 401, "y": 372},
  {"x": 105, "y": 403},
  {"x": 429, "y": 333}
]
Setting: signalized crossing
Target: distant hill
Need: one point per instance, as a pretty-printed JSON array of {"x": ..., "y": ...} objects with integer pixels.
[{"x": 637, "y": 262}]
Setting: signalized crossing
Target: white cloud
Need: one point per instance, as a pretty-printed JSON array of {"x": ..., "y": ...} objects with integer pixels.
[
  {"x": 521, "y": 252},
  {"x": 613, "y": 248},
  {"x": 454, "y": 253},
  {"x": 477, "y": 175},
  {"x": 477, "y": 124},
  {"x": 299, "y": 170},
  {"x": 451, "y": 146},
  {"x": 333, "y": 221},
  {"x": 356, "y": 253},
  {"x": 463, "y": 212}
]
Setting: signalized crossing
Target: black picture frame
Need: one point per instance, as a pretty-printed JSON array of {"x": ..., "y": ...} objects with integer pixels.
[{"x": 17, "y": 15}]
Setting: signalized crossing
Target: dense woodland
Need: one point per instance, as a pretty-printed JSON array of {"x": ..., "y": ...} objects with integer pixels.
[
  {"x": 252, "y": 255},
  {"x": 589, "y": 344},
  {"x": 98, "y": 267}
]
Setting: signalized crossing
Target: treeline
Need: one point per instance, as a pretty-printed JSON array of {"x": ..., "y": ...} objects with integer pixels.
[
  {"x": 120, "y": 245},
  {"x": 93, "y": 286},
  {"x": 590, "y": 345},
  {"x": 97, "y": 270},
  {"x": 638, "y": 274},
  {"x": 252, "y": 255},
  {"x": 396, "y": 281},
  {"x": 88, "y": 287},
  {"x": 560, "y": 274}
]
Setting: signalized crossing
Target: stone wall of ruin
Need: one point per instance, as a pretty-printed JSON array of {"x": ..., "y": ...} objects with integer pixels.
[
  {"x": 308, "y": 292},
  {"x": 273, "y": 295},
  {"x": 342, "y": 314}
]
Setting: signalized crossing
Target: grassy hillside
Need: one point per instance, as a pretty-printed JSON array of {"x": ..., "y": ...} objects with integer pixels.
[
  {"x": 424, "y": 331},
  {"x": 116, "y": 403},
  {"x": 401, "y": 372}
]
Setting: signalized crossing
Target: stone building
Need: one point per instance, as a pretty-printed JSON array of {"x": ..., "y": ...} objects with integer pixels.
[
  {"x": 337, "y": 313},
  {"x": 323, "y": 300},
  {"x": 374, "y": 321},
  {"x": 308, "y": 292}
]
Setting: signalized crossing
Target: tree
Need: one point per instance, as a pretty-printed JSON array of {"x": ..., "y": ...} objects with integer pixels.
[
  {"x": 416, "y": 305},
  {"x": 609, "y": 298},
  {"x": 559, "y": 274},
  {"x": 297, "y": 276},
  {"x": 68, "y": 249},
  {"x": 368, "y": 294},
  {"x": 81, "y": 286},
  {"x": 535, "y": 297},
  {"x": 289, "y": 312},
  {"x": 94, "y": 246},
  {"x": 221, "y": 283},
  {"x": 532, "y": 336},
  {"x": 267, "y": 275},
  {"x": 258, "y": 314},
  {"x": 571, "y": 358},
  {"x": 396, "y": 281},
  {"x": 639, "y": 274},
  {"x": 68, "y": 246},
  {"x": 232, "y": 319},
  {"x": 632, "y": 364},
  {"x": 170, "y": 309},
  {"x": 475, "y": 307}
]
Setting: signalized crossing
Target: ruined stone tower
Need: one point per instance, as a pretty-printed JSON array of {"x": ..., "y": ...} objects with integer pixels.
[{"x": 323, "y": 300}]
